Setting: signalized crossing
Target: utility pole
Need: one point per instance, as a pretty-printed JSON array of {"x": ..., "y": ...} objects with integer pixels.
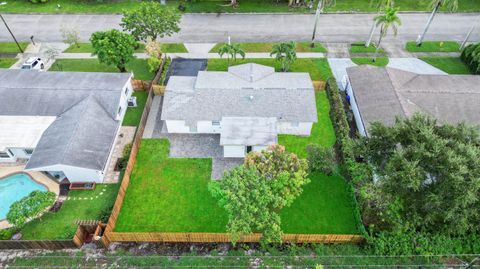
[
  {"x": 469, "y": 33},
  {"x": 317, "y": 15},
  {"x": 8, "y": 28}
]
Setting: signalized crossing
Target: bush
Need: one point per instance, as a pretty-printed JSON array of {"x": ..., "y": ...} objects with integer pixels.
[
  {"x": 471, "y": 57},
  {"x": 29, "y": 207},
  {"x": 38, "y": 1},
  {"x": 6, "y": 234},
  {"x": 320, "y": 159}
]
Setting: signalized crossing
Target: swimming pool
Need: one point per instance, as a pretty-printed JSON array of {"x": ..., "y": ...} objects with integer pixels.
[{"x": 14, "y": 188}]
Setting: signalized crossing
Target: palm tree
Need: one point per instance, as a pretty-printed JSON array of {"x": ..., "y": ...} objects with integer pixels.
[
  {"x": 451, "y": 6},
  {"x": 321, "y": 5},
  {"x": 231, "y": 49},
  {"x": 389, "y": 19},
  {"x": 380, "y": 4},
  {"x": 285, "y": 53}
]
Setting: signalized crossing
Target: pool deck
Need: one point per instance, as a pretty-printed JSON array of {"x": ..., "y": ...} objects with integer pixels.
[{"x": 37, "y": 176}]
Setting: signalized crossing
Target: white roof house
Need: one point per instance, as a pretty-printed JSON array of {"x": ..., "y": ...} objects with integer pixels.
[
  {"x": 248, "y": 106},
  {"x": 61, "y": 121}
]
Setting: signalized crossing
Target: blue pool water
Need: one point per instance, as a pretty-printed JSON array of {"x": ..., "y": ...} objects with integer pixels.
[{"x": 14, "y": 188}]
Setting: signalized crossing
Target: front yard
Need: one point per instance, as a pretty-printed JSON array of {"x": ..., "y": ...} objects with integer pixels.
[
  {"x": 450, "y": 65},
  {"x": 7, "y": 62},
  {"x": 81, "y": 205},
  {"x": 171, "y": 194},
  {"x": 267, "y": 47}
]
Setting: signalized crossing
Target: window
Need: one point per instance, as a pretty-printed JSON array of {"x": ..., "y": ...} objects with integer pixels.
[
  {"x": 28, "y": 151},
  {"x": 126, "y": 90},
  {"x": 4, "y": 155},
  {"x": 215, "y": 123},
  {"x": 34, "y": 63},
  {"x": 119, "y": 110}
]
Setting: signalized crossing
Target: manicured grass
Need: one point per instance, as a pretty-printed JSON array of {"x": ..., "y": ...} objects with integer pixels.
[
  {"x": 318, "y": 68},
  {"x": 134, "y": 114},
  {"x": 451, "y": 65},
  {"x": 380, "y": 61},
  {"x": 165, "y": 47},
  {"x": 137, "y": 66},
  {"x": 433, "y": 46},
  {"x": 11, "y": 47},
  {"x": 169, "y": 194},
  {"x": 7, "y": 62},
  {"x": 267, "y": 47},
  {"x": 403, "y": 5},
  {"x": 81, "y": 205},
  {"x": 323, "y": 207},
  {"x": 359, "y": 47},
  {"x": 322, "y": 131}
]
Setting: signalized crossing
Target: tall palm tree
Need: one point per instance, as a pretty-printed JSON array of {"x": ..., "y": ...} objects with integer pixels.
[
  {"x": 380, "y": 4},
  {"x": 231, "y": 49},
  {"x": 451, "y": 5},
  {"x": 389, "y": 19},
  {"x": 321, "y": 5},
  {"x": 285, "y": 53}
]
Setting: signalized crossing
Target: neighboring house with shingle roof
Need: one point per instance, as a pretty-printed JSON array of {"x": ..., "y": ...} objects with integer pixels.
[
  {"x": 248, "y": 106},
  {"x": 62, "y": 122},
  {"x": 382, "y": 94}
]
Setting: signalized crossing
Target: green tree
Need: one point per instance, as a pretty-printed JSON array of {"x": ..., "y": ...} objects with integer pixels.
[
  {"x": 152, "y": 20},
  {"x": 381, "y": 5},
  {"x": 254, "y": 194},
  {"x": 113, "y": 48},
  {"x": 427, "y": 176},
  {"x": 389, "y": 19},
  {"x": 231, "y": 50},
  {"x": 435, "y": 5},
  {"x": 285, "y": 53},
  {"x": 29, "y": 207}
]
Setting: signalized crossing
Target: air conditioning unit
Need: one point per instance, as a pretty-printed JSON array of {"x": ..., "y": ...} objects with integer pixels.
[{"x": 132, "y": 101}]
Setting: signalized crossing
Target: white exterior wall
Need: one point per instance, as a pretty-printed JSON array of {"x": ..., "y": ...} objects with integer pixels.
[
  {"x": 177, "y": 126},
  {"x": 75, "y": 174},
  {"x": 356, "y": 112},
  {"x": 234, "y": 151},
  {"x": 303, "y": 128},
  {"x": 124, "y": 98},
  {"x": 259, "y": 148}
]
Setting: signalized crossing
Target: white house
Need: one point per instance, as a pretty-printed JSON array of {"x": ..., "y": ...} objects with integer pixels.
[
  {"x": 63, "y": 123},
  {"x": 248, "y": 106},
  {"x": 382, "y": 94}
]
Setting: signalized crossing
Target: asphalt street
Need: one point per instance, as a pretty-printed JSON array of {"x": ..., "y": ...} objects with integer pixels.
[{"x": 204, "y": 28}]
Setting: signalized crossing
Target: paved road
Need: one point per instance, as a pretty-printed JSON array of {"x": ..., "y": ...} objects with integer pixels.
[{"x": 247, "y": 27}]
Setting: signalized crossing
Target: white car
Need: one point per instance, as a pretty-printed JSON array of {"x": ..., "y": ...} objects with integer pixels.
[{"x": 33, "y": 63}]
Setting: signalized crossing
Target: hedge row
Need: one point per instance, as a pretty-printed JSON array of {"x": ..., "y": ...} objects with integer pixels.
[
  {"x": 344, "y": 143},
  {"x": 471, "y": 57}
]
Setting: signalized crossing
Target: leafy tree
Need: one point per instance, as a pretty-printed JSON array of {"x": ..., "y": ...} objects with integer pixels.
[
  {"x": 389, "y": 19},
  {"x": 285, "y": 53},
  {"x": 152, "y": 20},
  {"x": 435, "y": 5},
  {"x": 381, "y": 5},
  {"x": 153, "y": 49},
  {"x": 70, "y": 36},
  {"x": 231, "y": 49},
  {"x": 113, "y": 48},
  {"x": 254, "y": 194},
  {"x": 427, "y": 176},
  {"x": 321, "y": 159},
  {"x": 29, "y": 207}
]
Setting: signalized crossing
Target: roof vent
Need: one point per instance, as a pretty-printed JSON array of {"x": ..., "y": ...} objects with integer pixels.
[{"x": 250, "y": 97}]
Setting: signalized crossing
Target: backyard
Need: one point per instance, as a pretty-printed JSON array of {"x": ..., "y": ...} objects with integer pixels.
[
  {"x": 80, "y": 205},
  {"x": 134, "y": 114}
]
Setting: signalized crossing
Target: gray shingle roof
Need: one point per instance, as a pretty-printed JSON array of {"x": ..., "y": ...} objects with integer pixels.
[
  {"x": 85, "y": 105},
  {"x": 383, "y": 93},
  {"x": 213, "y": 95}
]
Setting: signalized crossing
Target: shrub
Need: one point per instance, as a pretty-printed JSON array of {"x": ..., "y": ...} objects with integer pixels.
[
  {"x": 471, "y": 57},
  {"x": 29, "y": 207},
  {"x": 321, "y": 159},
  {"x": 6, "y": 234},
  {"x": 38, "y": 1}
]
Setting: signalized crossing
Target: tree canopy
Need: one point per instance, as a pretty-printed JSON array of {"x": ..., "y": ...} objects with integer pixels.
[
  {"x": 285, "y": 53},
  {"x": 254, "y": 193},
  {"x": 152, "y": 20},
  {"x": 29, "y": 207},
  {"x": 113, "y": 48},
  {"x": 427, "y": 175},
  {"x": 231, "y": 49}
]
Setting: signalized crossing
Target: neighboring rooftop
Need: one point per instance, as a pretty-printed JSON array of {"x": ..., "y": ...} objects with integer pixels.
[
  {"x": 248, "y": 90},
  {"x": 84, "y": 104},
  {"x": 384, "y": 93}
]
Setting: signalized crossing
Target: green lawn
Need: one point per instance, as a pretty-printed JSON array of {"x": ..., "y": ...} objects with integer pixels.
[
  {"x": 359, "y": 47},
  {"x": 137, "y": 66},
  {"x": 7, "y": 62},
  {"x": 451, "y": 65},
  {"x": 165, "y": 47},
  {"x": 318, "y": 68},
  {"x": 380, "y": 61},
  {"x": 81, "y": 205},
  {"x": 322, "y": 131},
  {"x": 11, "y": 47},
  {"x": 215, "y": 6},
  {"x": 267, "y": 47},
  {"x": 134, "y": 114},
  {"x": 433, "y": 46}
]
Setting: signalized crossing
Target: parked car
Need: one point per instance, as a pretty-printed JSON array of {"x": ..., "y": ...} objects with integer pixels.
[{"x": 33, "y": 63}]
